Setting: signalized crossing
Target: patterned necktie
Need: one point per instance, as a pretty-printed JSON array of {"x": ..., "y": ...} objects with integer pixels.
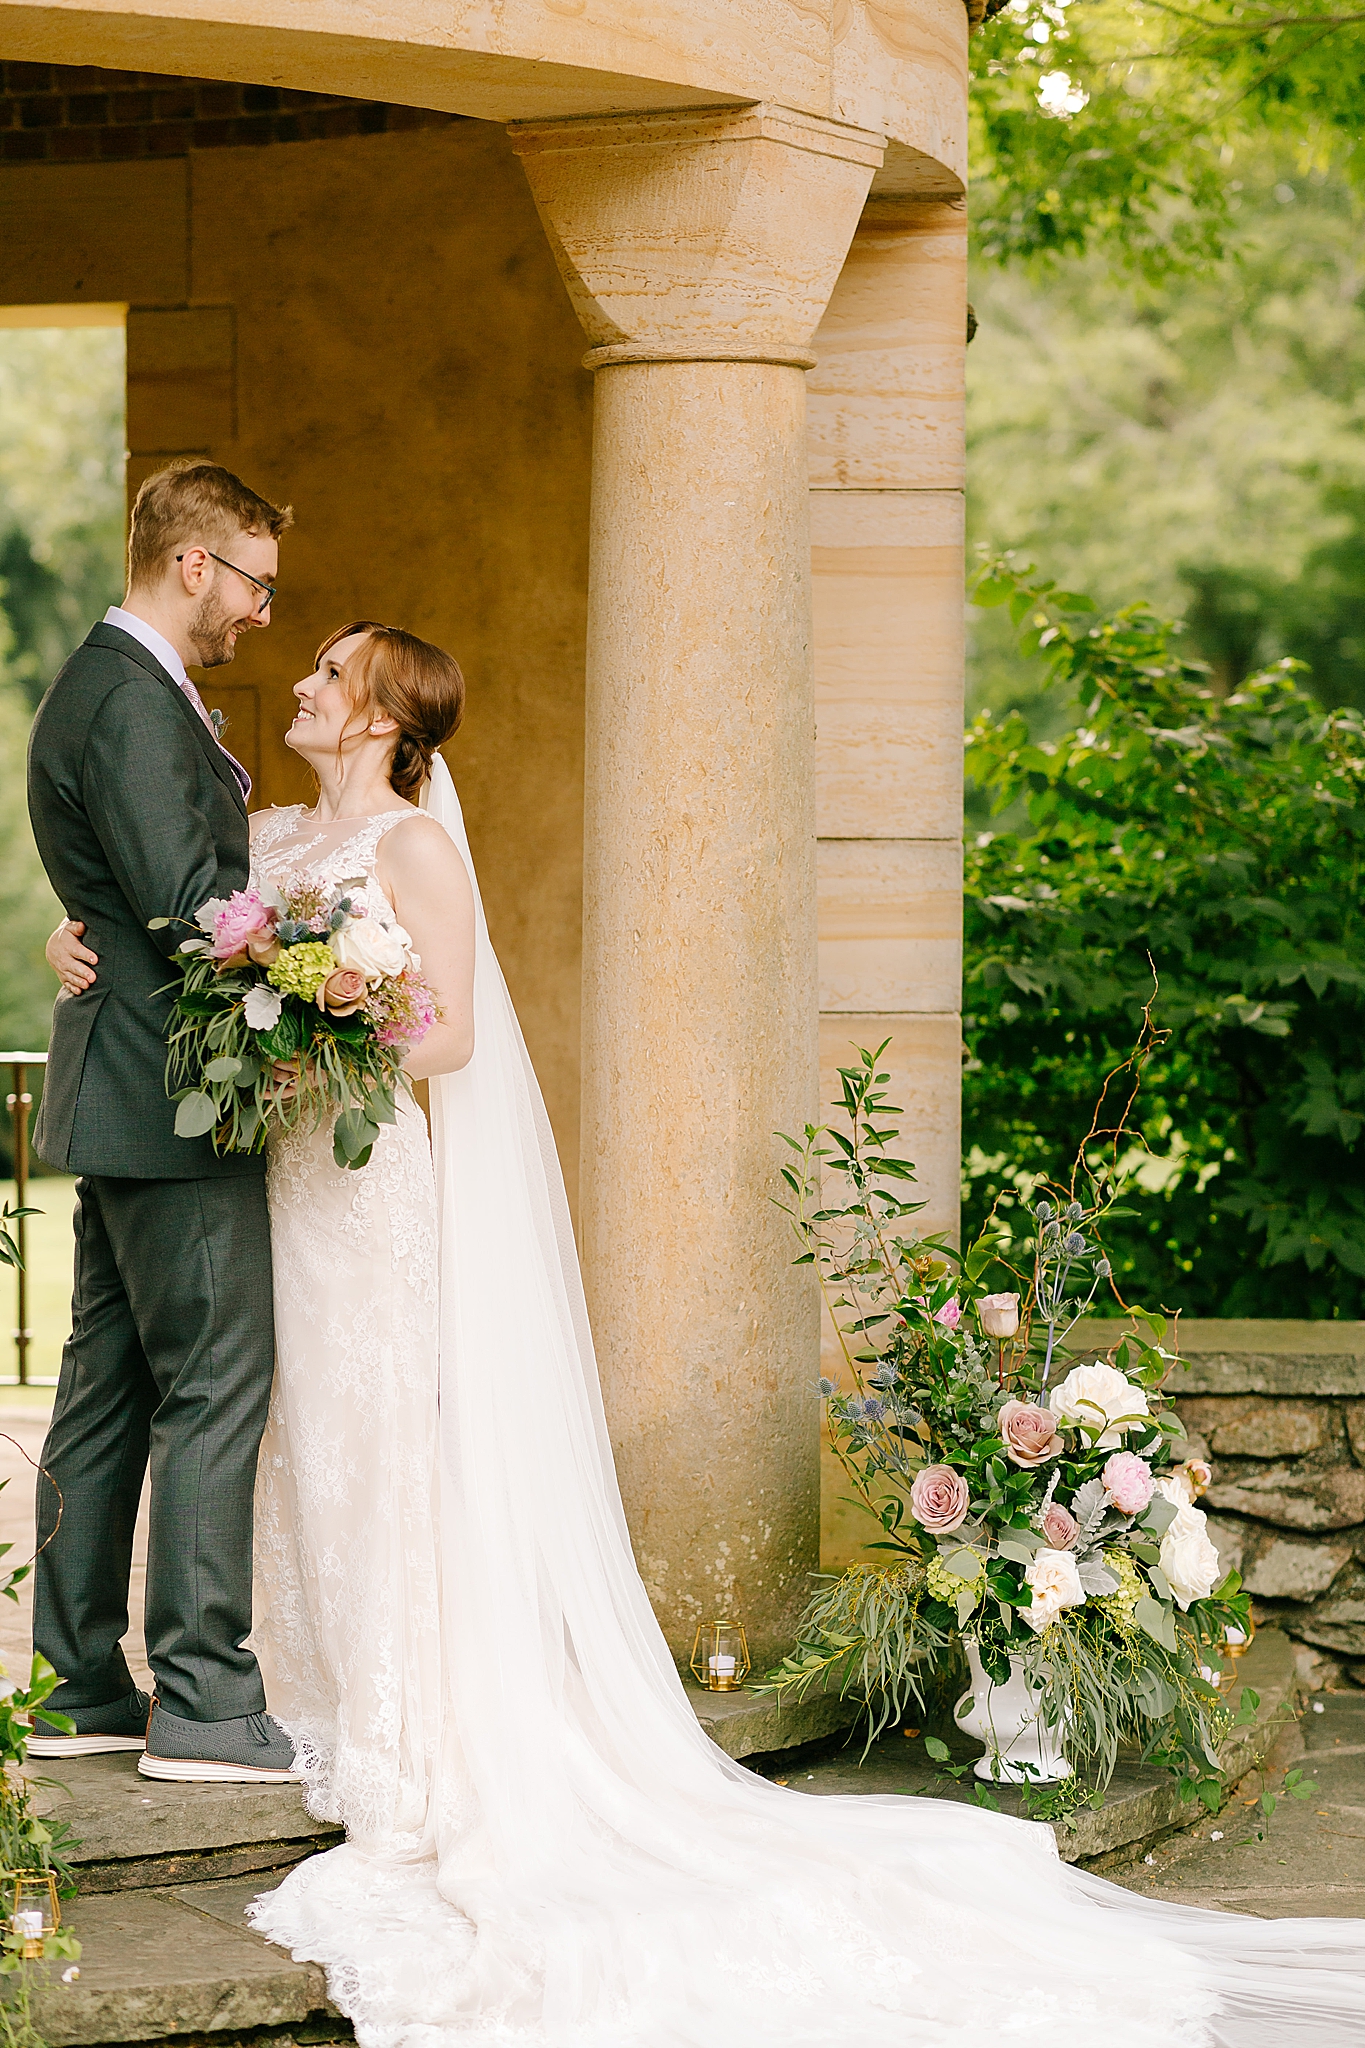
[{"x": 244, "y": 780}]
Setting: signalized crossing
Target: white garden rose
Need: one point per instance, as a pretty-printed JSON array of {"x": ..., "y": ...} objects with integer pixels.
[
  {"x": 372, "y": 948},
  {"x": 1056, "y": 1582},
  {"x": 1099, "y": 1393},
  {"x": 1188, "y": 1558}
]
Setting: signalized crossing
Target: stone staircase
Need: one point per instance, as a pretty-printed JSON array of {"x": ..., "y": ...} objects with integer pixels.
[{"x": 165, "y": 1872}]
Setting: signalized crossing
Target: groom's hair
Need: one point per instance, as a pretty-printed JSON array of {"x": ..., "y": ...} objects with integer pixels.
[{"x": 190, "y": 503}]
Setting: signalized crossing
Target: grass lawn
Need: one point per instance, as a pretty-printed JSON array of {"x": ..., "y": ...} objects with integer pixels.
[{"x": 49, "y": 1286}]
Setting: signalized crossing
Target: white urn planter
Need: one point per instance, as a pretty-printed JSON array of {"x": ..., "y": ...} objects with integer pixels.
[{"x": 1020, "y": 1748}]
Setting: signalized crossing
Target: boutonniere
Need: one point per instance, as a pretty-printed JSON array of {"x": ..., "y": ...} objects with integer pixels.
[{"x": 216, "y": 720}]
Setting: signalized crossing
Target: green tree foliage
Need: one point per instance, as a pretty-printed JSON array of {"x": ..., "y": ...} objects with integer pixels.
[
  {"x": 1214, "y": 840},
  {"x": 61, "y": 541},
  {"x": 1195, "y": 443},
  {"x": 1118, "y": 122},
  {"x": 61, "y": 491}
]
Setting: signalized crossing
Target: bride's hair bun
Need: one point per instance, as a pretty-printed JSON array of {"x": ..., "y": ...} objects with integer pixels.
[{"x": 418, "y": 686}]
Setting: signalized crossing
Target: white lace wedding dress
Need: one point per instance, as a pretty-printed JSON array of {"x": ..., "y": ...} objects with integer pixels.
[{"x": 542, "y": 1845}]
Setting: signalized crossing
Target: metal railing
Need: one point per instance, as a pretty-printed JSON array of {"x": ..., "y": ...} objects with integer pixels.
[{"x": 19, "y": 1102}]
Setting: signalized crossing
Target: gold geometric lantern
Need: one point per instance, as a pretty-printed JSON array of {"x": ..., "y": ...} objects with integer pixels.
[
  {"x": 35, "y": 1911},
  {"x": 720, "y": 1656}
]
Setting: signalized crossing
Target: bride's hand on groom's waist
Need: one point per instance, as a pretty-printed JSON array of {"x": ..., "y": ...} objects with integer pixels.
[{"x": 73, "y": 964}]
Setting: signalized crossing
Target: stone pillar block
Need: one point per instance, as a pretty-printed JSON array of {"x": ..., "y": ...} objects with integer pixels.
[
  {"x": 886, "y": 461},
  {"x": 699, "y": 251}
]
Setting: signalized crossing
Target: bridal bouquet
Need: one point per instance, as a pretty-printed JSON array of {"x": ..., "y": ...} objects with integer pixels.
[
  {"x": 291, "y": 1008},
  {"x": 1042, "y": 1512}
]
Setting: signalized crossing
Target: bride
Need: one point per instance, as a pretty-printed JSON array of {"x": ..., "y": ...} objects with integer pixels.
[{"x": 542, "y": 1846}]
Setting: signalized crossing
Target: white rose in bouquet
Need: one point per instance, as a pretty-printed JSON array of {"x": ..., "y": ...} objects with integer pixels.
[
  {"x": 372, "y": 948},
  {"x": 1099, "y": 1393},
  {"x": 1056, "y": 1581},
  {"x": 1188, "y": 1558}
]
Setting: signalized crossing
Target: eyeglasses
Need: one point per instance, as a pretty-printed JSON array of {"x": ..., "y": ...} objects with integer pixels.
[{"x": 267, "y": 598}]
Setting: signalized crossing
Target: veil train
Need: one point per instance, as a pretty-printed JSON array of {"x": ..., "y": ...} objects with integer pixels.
[{"x": 594, "y": 1872}]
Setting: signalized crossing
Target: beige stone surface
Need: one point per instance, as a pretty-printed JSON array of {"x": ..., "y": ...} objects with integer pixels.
[
  {"x": 888, "y": 397},
  {"x": 924, "y": 1060},
  {"x": 896, "y": 65},
  {"x": 696, "y": 235},
  {"x": 1249, "y": 1426},
  {"x": 99, "y": 232},
  {"x": 886, "y": 460},
  {"x": 888, "y": 663},
  {"x": 890, "y": 925}
]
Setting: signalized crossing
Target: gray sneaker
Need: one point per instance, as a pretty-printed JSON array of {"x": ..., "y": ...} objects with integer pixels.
[
  {"x": 99, "y": 1730},
  {"x": 252, "y": 1750}
]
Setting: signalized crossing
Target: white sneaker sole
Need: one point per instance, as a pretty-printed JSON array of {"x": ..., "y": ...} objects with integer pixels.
[
  {"x": 206, "y": 1771},
  {"x": 82, "y": 1745}
]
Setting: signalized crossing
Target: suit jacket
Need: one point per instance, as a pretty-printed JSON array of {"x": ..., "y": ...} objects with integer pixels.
[{"x": 137, "y": 814}]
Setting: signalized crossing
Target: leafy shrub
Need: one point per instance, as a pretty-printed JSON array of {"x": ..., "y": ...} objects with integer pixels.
[{"x": 1210, "y": 844}]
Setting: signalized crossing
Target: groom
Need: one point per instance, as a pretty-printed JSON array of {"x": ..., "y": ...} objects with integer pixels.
[{"x": 139, "y": 812}]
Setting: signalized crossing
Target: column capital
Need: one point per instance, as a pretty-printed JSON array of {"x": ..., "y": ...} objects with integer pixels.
[{"x": 712, "y": 235}]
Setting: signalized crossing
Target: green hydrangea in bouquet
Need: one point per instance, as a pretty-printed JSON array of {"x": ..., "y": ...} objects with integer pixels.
[
  {"x": 289, "y": 1009},
  {"x": 1037, "y": 1507}
]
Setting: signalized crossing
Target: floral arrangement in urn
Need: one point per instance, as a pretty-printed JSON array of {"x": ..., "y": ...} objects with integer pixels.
[
  {"x": 289, "y": 1008},
  {"x": 1038, "y": 1510}
]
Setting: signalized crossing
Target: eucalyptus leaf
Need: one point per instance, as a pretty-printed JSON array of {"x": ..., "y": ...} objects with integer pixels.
[
  {"x": 195, "y": 1116},
  {"x": 1157, "y": 1620},
  {"x": 225, "y": 1068}
]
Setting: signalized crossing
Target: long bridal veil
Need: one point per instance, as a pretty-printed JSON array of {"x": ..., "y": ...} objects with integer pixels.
[{"x": 594, "y": 1872}]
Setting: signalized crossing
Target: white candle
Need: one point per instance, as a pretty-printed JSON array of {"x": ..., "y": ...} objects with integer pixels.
[
  {"x": 723, "y": 1667},
  {"x": 1234, "y": 1635},
  {"x": 30, "y": 1925}
]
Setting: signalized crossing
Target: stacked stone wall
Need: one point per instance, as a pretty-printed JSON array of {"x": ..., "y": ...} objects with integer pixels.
[{"x": 1279, "y": 1410}]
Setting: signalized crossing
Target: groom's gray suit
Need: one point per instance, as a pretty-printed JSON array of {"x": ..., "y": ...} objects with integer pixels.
[{"x": 137, "y": 814}]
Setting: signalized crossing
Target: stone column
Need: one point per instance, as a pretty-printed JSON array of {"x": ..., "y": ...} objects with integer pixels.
[
  {"x": 700, "y": 251},
  {"x": 886, "y": 463}
]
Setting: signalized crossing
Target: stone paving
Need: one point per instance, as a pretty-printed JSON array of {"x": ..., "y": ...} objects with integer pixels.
[{"x": 1309, "y": 1860}]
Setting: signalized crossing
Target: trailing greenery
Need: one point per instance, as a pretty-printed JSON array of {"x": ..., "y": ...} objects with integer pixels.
[{"x": 1213, "y": 842}]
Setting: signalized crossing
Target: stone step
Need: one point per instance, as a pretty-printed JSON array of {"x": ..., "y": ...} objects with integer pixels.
[
  {"x": 167, "y": 1871},
  {"x": 136, "y": 1832},
  {"x": 180, "y": 1961}
]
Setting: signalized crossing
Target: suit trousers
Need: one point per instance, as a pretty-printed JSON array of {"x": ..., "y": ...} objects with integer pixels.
[{"x": 171, "y": 1355}]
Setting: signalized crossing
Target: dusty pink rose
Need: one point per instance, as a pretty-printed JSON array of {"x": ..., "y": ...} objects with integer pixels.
[
  {"x": 1199, "y": 1473},
  {"x": 264, "y": 948},
  {"x": 939, "y": 1499},
  {"x": 241, "y": 918},
  {"x": 1030, "y": 1433},
  {"x": 1059, "y": 1527},
  {"x": 343, "y": 992},
  {"x": 950, "y": 1315},
  {"x": 1128, "y": 1482}
]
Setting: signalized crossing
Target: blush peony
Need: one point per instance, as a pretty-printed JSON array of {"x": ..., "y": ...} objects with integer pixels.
[
  {"x": 1056, "y": 1582},
  {"x": 939, "y": 1499},
  {"x": 1095, "y": 1394},
  {"x": 950, "y": 1315},
  {"x": 1128, "y": 1482},
  {"x": 1030, "y": 1433},
  {"x": 240, "y": 918}
]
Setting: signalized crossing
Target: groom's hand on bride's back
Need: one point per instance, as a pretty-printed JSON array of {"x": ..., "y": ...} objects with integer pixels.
[{"x": 73, "y": 964}]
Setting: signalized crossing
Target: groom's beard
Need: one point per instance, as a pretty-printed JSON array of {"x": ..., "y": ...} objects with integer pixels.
[{"x": 213, "y": 631}]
